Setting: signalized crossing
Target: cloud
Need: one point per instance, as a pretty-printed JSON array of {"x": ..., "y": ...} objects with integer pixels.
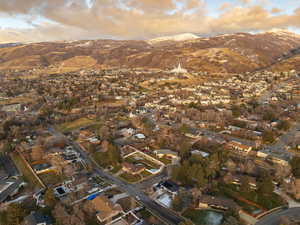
[
  {"x": 136, "y": 19},
  {"x": 276, "y": 10},
  {"x": 225, "y": 6},
  {"x": 245, "y": 1}
]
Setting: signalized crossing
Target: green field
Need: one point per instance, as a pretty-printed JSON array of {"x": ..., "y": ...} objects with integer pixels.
[
  {"x": 76, "y": 124},
  {"x": 130, "y": 178}
]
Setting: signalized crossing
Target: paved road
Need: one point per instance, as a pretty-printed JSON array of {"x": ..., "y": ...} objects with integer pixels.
[
  {"x": 165, "y": 214},
  {"x": 284, "y": 140},
  {"x": 274, "y": 218}
]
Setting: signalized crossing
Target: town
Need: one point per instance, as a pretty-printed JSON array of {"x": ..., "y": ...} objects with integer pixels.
[{"x": 137, "y": 146}]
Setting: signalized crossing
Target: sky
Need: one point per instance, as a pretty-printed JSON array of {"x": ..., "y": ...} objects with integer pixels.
[{"x": 57, "y": 20}]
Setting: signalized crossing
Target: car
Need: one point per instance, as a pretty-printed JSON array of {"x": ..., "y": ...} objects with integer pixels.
[{"x": 138, "y": 198}]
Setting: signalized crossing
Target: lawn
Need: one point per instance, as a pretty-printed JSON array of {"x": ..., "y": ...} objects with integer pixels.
[
  {"x": 130, "y": 178},
  {"x": 147, "y": 163},
  {"x": 26, "y": 171},
  {"x": 265, "y": 201},
  {"x": 50, "y": 178},
  {"x": 76, "y": 124},
  {"x": 204, "y": 217}
]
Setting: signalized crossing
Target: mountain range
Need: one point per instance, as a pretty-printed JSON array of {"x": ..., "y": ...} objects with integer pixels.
[{"x": 230, "y": 53}]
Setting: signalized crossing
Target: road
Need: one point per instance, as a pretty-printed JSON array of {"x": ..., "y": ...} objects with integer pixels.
[
  {"x": 275, "y": 218},
  {"x": 166, "y": 215},
  {"x": 284, "y": 140}
]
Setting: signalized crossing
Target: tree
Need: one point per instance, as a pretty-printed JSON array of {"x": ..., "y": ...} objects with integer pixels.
[
  {"x": 265, "y": 186},
  {"x": 37, "y": 153},
  {"x": 245, "y": 187},
  {"x": 269, "y": 116},
  {"x": 177, "y": 203},
  {"x": 50, "y": 199},
  {"x": 187, "y": 222},
  {"x": 184, "y": 150},
  {"x": 15, "y": 214},
  {"x": 236, "y": 111},
  {"x": 268, "y": 136},
  {"x": 284, "y": 125},
  {"x": 295, "y": 164}
]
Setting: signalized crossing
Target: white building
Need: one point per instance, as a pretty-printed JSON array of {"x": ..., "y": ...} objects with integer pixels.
[{"x": 179, "y": 69}]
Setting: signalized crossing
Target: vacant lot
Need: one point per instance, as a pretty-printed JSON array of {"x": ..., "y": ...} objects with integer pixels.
[{"x": 76, "y": 124}]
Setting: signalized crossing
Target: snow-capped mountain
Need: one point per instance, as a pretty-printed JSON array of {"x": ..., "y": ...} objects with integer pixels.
[{"x": 179, "y": 37}]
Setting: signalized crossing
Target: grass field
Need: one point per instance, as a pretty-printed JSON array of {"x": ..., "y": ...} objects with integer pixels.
[
  {"x": 25, "y": 170},
  {"x": 130, "y": 178},
  {"x": 82, "y": 122},
  {"x": 50, "y": 178}
]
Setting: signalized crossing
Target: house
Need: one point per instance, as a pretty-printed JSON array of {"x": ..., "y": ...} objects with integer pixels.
[
  {"x": 207, "y": 201},
  {"x": 9, "y": 188},
  {"x": 166, "y": 153},
  {"x": 78, "y": 182},
  {"x": 43, "y": 168},
  {"x": 168, "y": 186},
  {"x": 38, "y": 218},
  {"x": 105, "y": 208},
  {"x": 132, "y": 169},
  {"x": 201, "y": 153},
  {"x": 239, "y": 147}
]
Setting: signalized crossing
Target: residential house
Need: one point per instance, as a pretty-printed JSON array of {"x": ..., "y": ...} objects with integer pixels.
[
  {"x": 207, "y": 201},
  {"x": 166, "y": 153},
  {"x": 239, "y": 147},
  {"x": 105, "y": 208},
  {"x": 9, "y": 188},
  {"x": 169, "y": 186}
]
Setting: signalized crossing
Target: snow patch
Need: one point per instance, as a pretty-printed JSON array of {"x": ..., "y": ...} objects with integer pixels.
[{"x": 179, "y": 37}]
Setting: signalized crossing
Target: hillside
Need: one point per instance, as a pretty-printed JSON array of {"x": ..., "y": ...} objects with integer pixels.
[{"x": 232, "y": 53}]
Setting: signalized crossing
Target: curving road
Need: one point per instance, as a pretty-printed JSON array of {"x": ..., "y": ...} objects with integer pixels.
[{"x": 274, "y": 218}]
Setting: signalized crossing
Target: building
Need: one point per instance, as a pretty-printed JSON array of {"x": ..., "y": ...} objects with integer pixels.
[
  {"x": 168, "y": 186},
  {"x": 166, "y": 153},
  {"x": 105, "y": 208},
  {"x": 239, "y": 147},
  {"x": 207, "y": 201},
  {"x": 179, "y": 69},
  {"x": 37, "y": 218},
  {"x": 9, "y": 188}
]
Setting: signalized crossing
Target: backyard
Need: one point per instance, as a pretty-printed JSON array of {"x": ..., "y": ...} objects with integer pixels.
[{"x": 204, "y": 217}]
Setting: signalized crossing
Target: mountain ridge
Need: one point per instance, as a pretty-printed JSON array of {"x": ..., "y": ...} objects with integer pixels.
[{"x": 229, "y": 53}]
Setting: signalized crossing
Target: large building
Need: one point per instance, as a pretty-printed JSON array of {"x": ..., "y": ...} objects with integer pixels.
[{"x": 179, "y": 69}]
